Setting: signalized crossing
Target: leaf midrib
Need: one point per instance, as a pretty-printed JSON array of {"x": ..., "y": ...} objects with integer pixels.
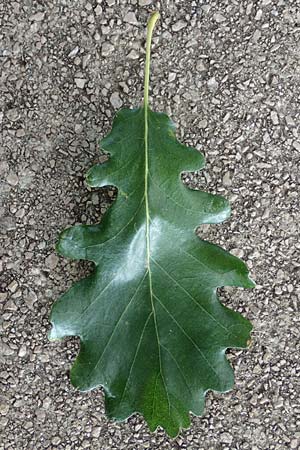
[{"x": 148, "y": 255}]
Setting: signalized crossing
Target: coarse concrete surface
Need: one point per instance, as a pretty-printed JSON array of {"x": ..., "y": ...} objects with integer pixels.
[{"x": 227, "y": 72}]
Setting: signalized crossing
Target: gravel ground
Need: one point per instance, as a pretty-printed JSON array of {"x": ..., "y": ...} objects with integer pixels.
[{"x": 227, "y": 72}]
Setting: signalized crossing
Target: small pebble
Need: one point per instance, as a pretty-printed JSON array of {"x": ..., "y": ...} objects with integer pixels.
[
  {"x": 296, "y": 145},
  {"x": 226, "y": 438},
  {"x": 3, "y": 296},
  {"x": 171, "y": 77},
  {"x": 212, "y": 84},
  {"x": 20, "y": 213},
  {"x": 290, "y": 121},
  {"x": 22, "y": 351},
  {"x": 256, "y": 35},
  {"x": 20, "y": 133},
  {"x": 51, "y": 261},
  {"x": 227, "y": 179},
  {"x": 96, "y": 432},
  {"x": 201, "y": 67},
  {"x": 130, "y": 18},
  {"x": 3, "y": 167},
  {"x": 274, "y": 118},
  {"x": 106, "y": 49},
  {"x": 13, "y": 286},
  {"x": 258, "y": 15},
  {"x": 115, "y": 100},
  {"x": 73, "y": 52},
  {"x": 85, "y": 60},
  {"x": 13, "y": 114},
  {"x": 12, "y": 179},
  {"x": 98, "y": 10},
  {"x": 219, "y": 18},
  {"x": 179, "y": 25},
  {"x": 5, "y": 350},
  {"x": 202, "y": 123},
  {"x": 38, "y": 17},
  {"x": 133, "y": 54},
  {"x": 80, "y": 82},
  {"x": 4, "y": 406}
]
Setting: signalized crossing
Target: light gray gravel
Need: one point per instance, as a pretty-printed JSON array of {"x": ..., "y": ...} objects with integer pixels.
[{"x": 228, "y": 73}]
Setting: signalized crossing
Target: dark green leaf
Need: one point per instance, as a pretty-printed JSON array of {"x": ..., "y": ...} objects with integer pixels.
[{"x": 153, "y": 332}]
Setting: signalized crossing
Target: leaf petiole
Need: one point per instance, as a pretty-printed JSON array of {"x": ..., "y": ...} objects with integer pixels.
[{"x": 151, "y": 24}]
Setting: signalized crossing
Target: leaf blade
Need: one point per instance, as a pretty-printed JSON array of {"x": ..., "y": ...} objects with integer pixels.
[{"x": 153, "y": 291}]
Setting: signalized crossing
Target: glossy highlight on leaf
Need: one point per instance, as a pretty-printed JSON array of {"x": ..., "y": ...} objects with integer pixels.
[{"x": 153, "y": 332}]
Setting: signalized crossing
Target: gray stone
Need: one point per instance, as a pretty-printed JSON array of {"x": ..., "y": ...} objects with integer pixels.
[
  {"x": 22, "y": 351},
  {"x": 130, "y": 17},
  {"x": 51, "y": 261},
  {"x": 38, "y": 17},
  {"x": 201, "y": 67},
  {"x": 12, "y": 179},
  {"x": 3, "y": 167},
  {"x": 179, "y": 25},
  {"x": 256, "y": 36},
  {"x": 212, "y": 84},
  {"x": 98, "y": 10},
  {"x": 226, "y": 438},
  {"x": 258, "y": 15},
  {"x": 73, "y": 52},
  {"x": 80, "y": 82},
  {"x": 13, "y": 286},
  {"x": 13, "y": 114},
  {"x": 56, "y": 440},
  {"x": 227, "y": 179},
  {"x": 106, "y": 49},
  {"x": 5, "y": 350},
  {"x": 274, "y": 117},
  {"x": 133, "y": 54},
  {"x": 4, "y": 406},
  {"x": 202, "y": 123},
  {"x": 96, "y": 432},
  {"x": 290, "y": 121},
  {"x": 115, "y": 100},
  {"x": 219, "y": 18}
]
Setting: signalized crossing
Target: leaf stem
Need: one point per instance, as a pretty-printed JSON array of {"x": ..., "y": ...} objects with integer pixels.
[{"x": 151, "y": 24}]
